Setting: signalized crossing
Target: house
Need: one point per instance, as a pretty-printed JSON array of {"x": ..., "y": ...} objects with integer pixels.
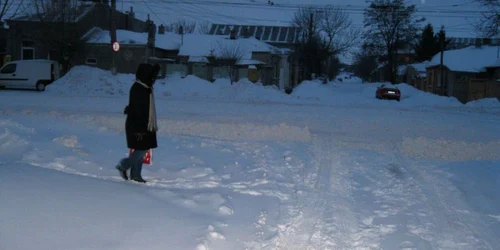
[
  {"x": 464, "y": 42},
  {"x": 464, "y": 72},
  {"x": 406, "y": 55},
  {"x": 200, "y": 54},
  {"x": 282, "y": 37},
  {"x": 135, "y": 48},
  {"x": 286, "y": 37},
  {"x": 414, "y": 74},
  {"x": 3, "y": 45},
  {"x": 58, "y": 35},
  {"x": 187, "y": 54},
  {"x": 379, "y": 74},
  {"x": 249, "y": 53},
  {"x": 494, "y": 70}
]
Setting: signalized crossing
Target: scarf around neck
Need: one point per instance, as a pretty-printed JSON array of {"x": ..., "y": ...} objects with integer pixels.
[{"x": 152, "y": 122}]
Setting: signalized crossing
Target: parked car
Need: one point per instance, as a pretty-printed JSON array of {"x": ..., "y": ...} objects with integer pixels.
[
  {"x": 384, "y": 92},
  {"x": 29, "y": 74}
]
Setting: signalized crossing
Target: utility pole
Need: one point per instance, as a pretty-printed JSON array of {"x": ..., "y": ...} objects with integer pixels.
[
  {"x": 113, "y": 35},
  {"x": 309, "y": 55},
  {"x": 441, "y": 42},
  {"x": 311, "y": 18}
]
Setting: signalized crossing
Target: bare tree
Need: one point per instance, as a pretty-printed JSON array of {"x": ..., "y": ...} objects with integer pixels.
[
  {"x": 390, "y": 26},
  {"x": 59, "y": 31},
  {"x": 337, "y": 31},
  {"x": 490, "y": 23},
  {"x": 308, "y": 20},
  {"x": 203, "y": 28},
  {"x": 226, "y": 54},
  {"x": 327, "y": 32},
  {"x": 6, "y": 6},
  {"x": 188, "y": 27}
]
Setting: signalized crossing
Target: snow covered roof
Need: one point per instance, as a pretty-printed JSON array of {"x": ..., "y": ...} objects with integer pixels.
[
  {"x": 195, "y": 46},
  {"x": 167, "y": 41},
  {"x": 420, "y": 67},
  {"x": 496, "y": 64},
  {"x": 273, "y": 34},
  {"x": 198, "y": 46},
  {"x": 471, "y": 59}
]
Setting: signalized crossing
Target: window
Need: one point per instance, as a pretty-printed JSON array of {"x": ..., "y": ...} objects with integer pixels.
[
  {"x": 9, "y": 69},
  {"x": 92, "y": 61},
  {"x": 28, "y": 50}
]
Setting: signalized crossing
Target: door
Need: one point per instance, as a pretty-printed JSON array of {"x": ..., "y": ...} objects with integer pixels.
[{"x": 8, "y": 75}]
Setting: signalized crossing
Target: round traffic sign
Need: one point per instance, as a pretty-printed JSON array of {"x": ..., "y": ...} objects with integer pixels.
[{"x": 116, "y": 46}]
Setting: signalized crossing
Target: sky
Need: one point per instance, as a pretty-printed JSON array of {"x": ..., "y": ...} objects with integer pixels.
[{"x": 456, "y": 15}]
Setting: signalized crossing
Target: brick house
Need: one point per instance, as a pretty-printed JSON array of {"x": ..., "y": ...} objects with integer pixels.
[
  {"x": 135, "y": 48},
  {"x": 49, "y": 37}
]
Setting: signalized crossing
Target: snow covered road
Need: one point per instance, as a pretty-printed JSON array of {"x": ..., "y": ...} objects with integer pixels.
[{"x": 274, "y": 176}]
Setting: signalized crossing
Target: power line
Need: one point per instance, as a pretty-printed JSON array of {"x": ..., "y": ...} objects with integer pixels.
[
  {"x": 345, "y": 7},
  {"x": 199, "y": 11}
]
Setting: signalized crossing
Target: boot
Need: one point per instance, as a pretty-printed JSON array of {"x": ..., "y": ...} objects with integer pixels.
[
  {"x": 123, "y": 173},
  {"x": 138, "y": 179}
]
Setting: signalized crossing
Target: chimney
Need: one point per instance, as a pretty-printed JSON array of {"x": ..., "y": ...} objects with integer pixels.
[
  {"x": 161, "y": 29},
  {"x": 232, "y": 35},
  {"x": 246, "y": 32},
  {"x": 151, "y": 34},
  {"x": 131, "y": 12}
]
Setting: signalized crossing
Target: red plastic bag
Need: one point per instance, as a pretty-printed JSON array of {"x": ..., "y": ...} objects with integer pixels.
[{"x": 147, "y": 157}]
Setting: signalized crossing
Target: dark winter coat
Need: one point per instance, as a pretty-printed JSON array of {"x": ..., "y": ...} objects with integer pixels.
[{"x": 137, "y": 111}]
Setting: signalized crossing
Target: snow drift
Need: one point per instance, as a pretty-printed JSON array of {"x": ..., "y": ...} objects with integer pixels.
[{"x": 89, "y": 81}]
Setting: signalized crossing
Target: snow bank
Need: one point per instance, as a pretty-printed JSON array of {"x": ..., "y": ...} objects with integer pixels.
[
  {"x": 89, "y": 81},
  {"x": 484, "y": 103},
  {"x": 85, "y": 80},
  {"x": 314, "y": 90},
  {"x": 221, "y": 89}
]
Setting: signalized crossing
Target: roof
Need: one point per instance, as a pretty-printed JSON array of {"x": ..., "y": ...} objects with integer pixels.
[
  {"x": 420, "y": 67},
  {"x": 194, "y": 46},
  {"x": 198, "y": 46},
  {"x": 270, "y": 34},
  {"x": 75, "y": 15},
  {"x": 496, "y": 64},
  {"x": 463, "y": 42},
  {"x": 167, "y": 41},
  {"x": 471, "y": 59}
]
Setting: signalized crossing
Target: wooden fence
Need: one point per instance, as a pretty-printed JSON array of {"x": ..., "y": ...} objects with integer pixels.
[{"x": 475, "y": 89}]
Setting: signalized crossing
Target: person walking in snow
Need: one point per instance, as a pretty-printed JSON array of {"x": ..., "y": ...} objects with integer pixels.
[{"x": 140, "y": 125}]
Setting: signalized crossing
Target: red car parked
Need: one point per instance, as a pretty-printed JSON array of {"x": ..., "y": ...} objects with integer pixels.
[{"x": 389, "y": 93}]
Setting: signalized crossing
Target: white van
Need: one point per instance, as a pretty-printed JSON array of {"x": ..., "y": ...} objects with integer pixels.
[{"x": 29, "y": 74}]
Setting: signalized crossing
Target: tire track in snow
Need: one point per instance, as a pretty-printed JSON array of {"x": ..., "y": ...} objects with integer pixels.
[
  {"x": 457, "y": 226},
  {"x": 320, "y": 217},
  {"x": 410, "y": 205}
]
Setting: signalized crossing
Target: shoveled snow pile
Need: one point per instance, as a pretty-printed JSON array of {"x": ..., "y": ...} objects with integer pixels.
[
  {"x": 412, "y": 96},
  {"x": 221, "y": 89},
  {"x": 484, "y": 103},
  {"x": 85, "y": 80},
  {"x": 364, "y": 94},
  {"x": 90, "y": 81},
  {"x": 314, "y": 91}
]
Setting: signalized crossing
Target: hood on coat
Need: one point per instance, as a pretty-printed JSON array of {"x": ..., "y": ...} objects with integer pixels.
[{"x": 147, "y": 73}]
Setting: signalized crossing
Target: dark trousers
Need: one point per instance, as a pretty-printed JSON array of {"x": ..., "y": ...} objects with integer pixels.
[{"x": 134, "y": 162}]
